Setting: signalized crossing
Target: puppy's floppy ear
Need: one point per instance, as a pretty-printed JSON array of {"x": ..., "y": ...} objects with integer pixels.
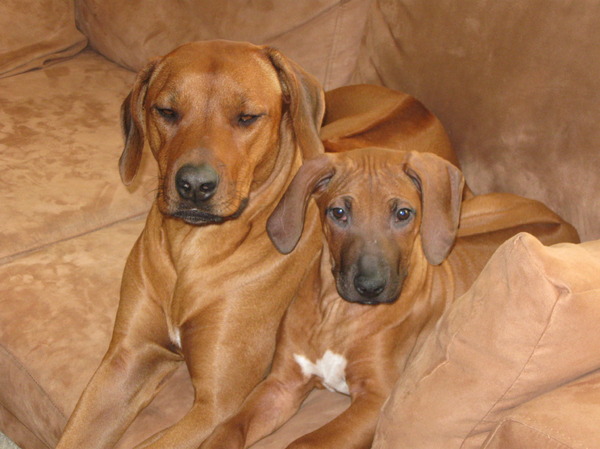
[
  {"x": 441, "y": 185},
  {"x": 286, "y": 223},
  {"x": 306, "y": 100},
  {"x": 132, "y": 121}
]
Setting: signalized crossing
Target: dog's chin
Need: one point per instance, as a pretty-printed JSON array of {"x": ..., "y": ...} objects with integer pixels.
[{"x": 197, "y": 217}]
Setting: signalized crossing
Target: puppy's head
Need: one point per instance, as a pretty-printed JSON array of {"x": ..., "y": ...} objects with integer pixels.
[
  {"x": 381, "y": 210},
  {"x": 215, "y": 115}
]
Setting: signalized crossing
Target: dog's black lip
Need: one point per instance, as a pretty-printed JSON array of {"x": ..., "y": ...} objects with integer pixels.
[{"x": 198, "y": 217}]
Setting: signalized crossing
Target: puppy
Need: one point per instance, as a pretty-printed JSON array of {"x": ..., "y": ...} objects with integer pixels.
[{"x": 389, "y": 267}]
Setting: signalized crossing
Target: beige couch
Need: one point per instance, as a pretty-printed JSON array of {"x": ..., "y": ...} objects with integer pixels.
[{"x": 515, "y": 363}]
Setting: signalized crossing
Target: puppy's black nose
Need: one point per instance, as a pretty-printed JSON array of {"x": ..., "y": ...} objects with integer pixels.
[
  {"x": 369, "y": 286},
  {"x": 370, "y": 279},
  {"x": 196, "y": 183}
]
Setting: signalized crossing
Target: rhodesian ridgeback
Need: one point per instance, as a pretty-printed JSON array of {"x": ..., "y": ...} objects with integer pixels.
[
  {"x": 390, "y": 265},
  {"x": 229, "y": 125}
]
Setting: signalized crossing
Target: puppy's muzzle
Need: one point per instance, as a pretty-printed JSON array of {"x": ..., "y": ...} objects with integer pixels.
[{"x": 370, "y": 280}]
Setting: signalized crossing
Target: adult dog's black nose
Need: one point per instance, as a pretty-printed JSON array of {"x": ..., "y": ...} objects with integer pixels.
[{"x": 196, "y": 183}]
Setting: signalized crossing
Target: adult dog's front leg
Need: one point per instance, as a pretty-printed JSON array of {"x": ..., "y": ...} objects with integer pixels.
[
  {"x": 137, "y": 361},
  {"x": 226, "y": 358},
  {"x": 270, "y": 404},
  {"x": 124, "y": 383}
]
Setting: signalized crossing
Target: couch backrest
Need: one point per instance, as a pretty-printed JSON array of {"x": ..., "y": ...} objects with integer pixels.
[
  {"x": 516, "y": 83},
  {"x": 321, "y": 35}
]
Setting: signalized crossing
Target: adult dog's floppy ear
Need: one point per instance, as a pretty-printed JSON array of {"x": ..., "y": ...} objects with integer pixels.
[
  {"x": 286, "y": 223},
  {"x": 441, "y": 185},
  {"x": 132, "y": 120},
  {"x": 306, "y": 102}
]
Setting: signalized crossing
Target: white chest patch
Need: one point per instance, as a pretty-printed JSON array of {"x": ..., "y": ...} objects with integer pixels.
[
  {"x": 331, "y": 368},
  {"x": 175, "y": 336}
]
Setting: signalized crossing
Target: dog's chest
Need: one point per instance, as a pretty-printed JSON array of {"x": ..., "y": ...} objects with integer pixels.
[{"x": 331, "y": 369}]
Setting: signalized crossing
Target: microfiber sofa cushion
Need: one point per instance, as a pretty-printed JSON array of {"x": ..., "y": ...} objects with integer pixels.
[{"x": 529, "y": 324}]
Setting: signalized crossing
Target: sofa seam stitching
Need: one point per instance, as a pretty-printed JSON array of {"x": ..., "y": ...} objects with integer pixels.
[
  {"x": 24, "y": 368},
  {"x": 334, "y": 43},
  {"x": 11, "y": 258},
  {"x": 302, "y": 24},
  {"x": 24, "y": 426}
]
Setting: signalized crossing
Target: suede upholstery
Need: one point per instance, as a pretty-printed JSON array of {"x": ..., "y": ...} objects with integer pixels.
[
  {"x": 541, "y": 423},
  {"x": 36, "y": 33},
  {"x": 51, "y": 121},
  {"x": 322, "y": 35},
  {"x": 516, "y": 85}
]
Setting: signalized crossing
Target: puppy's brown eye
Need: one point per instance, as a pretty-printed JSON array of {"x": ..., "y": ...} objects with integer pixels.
[
  {"x": 403, "y": 214},
  {"x": 338, "y": 214}
]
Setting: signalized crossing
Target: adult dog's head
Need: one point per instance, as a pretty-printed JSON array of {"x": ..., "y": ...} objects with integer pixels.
[
  {"x": 222, "y": 119},
  {"x": 382, "y": 211}
]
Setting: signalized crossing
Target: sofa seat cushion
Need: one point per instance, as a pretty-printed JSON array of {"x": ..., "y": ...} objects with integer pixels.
[
  {"x": 36, "y": 33},
  {"x": 321, "y": 35},
  {"x": 528, "y": 325},
  {"x": 60, "y": 141}
]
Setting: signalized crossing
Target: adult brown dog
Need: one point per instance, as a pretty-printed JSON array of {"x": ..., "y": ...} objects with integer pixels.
[
  {"x": 228, "y": 124},
  {"x": 391, "y": 264}
]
